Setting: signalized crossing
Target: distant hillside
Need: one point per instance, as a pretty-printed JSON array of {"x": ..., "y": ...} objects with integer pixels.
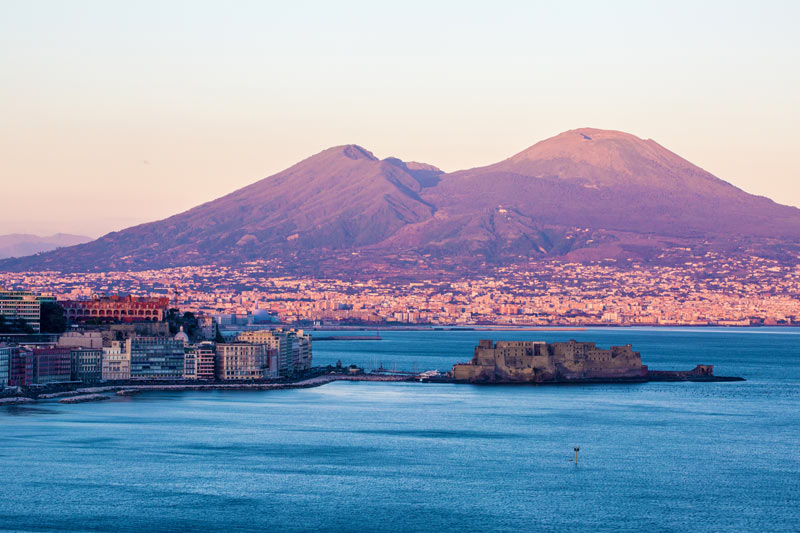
[
  {"x": 21, "y": 244},
  {"x": 585, "y": 194}
]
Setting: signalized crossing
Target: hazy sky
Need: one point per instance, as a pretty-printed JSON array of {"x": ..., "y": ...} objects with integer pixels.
[{"x": 114, "y": 113}]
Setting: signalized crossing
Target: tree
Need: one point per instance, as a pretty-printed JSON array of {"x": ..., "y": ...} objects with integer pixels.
[
  {"x": 188, "y": 321},
  {"x": 190, "y": 325},
  {"x": 52, "y": 319},
  {"x": 172, "y": 318}
]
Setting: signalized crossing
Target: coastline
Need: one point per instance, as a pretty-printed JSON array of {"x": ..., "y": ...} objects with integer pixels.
[
  {"x": 83, "y": 394},
  {"x": 94, "y": 394}
]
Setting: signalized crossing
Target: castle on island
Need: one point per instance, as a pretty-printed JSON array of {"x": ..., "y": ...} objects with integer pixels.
[{"x": 538, "y": 362}]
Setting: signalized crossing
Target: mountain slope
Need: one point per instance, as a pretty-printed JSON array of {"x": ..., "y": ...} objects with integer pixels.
[
  {"x": 584, "y": 194},
  {"x": 343, "y": 197},
  {"x": 599, "y": 180}
]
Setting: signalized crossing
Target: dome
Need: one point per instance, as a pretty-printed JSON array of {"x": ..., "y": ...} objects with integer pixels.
[{"x": 181, "y": 336}]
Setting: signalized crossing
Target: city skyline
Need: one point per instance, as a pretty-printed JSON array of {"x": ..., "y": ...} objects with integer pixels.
[
  {"x": 421, "y": 266},
  {"x": 105, "y": 103},
  {"x": 711, "y": 290}
]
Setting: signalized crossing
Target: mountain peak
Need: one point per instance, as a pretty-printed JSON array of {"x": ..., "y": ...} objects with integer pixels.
[
  {"x": 581, "y": 140},
  {"x": 354, "y": 151},
  {"x": 345, "y": 151},
  {"x": 610, "y": 158},
  {"x": 599, "y": 134}
]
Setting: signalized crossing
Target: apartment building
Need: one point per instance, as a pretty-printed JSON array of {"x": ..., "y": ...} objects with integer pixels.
[{"x": 116, "y": 363}]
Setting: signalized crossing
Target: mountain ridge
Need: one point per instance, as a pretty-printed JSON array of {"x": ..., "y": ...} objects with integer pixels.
[{"x": 573, "y": 195}]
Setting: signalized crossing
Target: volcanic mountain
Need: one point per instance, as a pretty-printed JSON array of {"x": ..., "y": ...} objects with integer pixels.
[{"x": 584, "y": 194}]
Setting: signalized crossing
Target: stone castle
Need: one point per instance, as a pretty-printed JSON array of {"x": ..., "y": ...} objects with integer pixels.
[{"x": 538, "y": 362}]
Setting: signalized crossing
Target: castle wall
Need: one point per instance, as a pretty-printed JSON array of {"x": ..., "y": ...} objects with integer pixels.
[{"x": 535, "y": 362}]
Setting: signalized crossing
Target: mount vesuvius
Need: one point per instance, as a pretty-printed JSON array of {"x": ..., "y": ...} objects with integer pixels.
[{"x": 586, "y": 194}]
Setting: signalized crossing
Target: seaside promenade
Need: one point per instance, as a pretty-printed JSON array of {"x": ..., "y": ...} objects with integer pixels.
[{"x": 97, "y": 393}]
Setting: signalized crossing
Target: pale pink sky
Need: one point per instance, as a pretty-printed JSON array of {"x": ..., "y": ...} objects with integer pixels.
[{"x": 120, "y": 113}]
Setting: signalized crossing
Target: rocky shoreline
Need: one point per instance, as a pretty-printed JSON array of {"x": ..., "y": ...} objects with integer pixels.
[
  {"x": 99, "y": 393},
  {"x": 16, "y": 400},
  {"x": 83, "y": 398}
]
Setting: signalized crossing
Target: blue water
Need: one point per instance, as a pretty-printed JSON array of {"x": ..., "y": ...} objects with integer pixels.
[{"x": 420, "y": 457}]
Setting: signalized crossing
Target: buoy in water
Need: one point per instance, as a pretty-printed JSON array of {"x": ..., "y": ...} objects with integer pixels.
[{"x": 575, "y": 459}]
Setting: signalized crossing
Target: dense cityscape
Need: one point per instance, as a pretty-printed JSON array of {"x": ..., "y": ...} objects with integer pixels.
[
  {"x": 713, "y": 290},
  {"x": 243, "y": 324}
]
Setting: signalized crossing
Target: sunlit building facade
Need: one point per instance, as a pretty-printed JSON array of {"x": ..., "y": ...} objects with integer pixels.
[
  {"x": 116, "y": 309},
  {"x": 242, "y": 361},
  {"x": 23, "y": 305},
  {"x": 205, "y": 360},
  {"x": 116, "y": 361}
]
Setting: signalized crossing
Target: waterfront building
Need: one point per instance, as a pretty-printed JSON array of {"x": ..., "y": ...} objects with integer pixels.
[
  {"x": 301, "y": 350},
  {"x": 292, "y": 347},
  {"x": 241, "y": 360},
  {"x": 117, "y": 309},
  {"x": 116, "y": 364},
  {"x": 51, "y": 365},
  {"x": 156, "y": 357},
  {"x": 5, "y": 363},
  {"x": 190, "y": 362},
  {"x": 272, "y": 365},
  {"x": 20, "y": 367},
  {"x": 86, "y": 364},
  {"x": 23, "y": 305},
  {"x": 205, "y": 360},
  {"x": 276, "y": 343}
]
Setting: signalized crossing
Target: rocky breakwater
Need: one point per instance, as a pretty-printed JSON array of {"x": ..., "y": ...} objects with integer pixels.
[
  {"x": 16, "y": 400},
  {"x": 83, "y": 398},
  {"x": 698, "y": 373}
]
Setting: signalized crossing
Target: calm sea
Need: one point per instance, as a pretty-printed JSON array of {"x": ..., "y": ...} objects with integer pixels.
[{"x": 421, "y": 457}]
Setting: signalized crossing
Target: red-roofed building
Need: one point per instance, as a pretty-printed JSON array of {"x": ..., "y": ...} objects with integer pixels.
[{"x": 117, "y": 309}]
